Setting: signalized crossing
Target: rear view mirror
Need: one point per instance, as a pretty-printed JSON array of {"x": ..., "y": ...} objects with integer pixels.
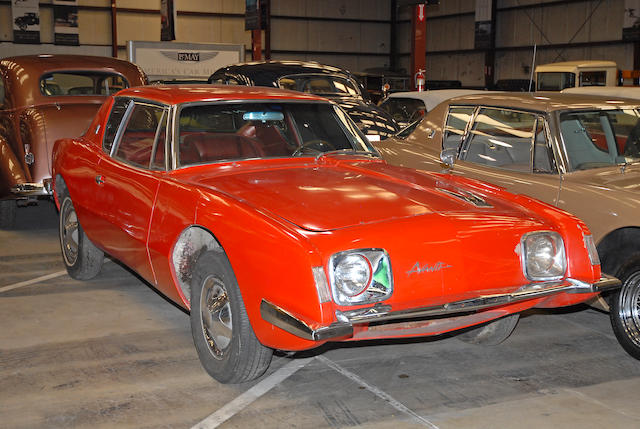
[{"x": 263, "y": 116}]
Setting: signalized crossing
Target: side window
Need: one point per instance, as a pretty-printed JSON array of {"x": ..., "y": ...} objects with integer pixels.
[
  {"x": 457, "y": 120},
  {"x": 501, "y": 138},
  {"x": 118, "y": 110},
  {"x": 136, "y": 144}
]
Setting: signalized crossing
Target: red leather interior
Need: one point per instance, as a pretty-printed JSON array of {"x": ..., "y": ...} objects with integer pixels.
[{"x": 203, "y": 147}]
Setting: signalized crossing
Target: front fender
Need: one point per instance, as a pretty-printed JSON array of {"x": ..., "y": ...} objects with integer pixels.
[{"x": 11, "y": 169}]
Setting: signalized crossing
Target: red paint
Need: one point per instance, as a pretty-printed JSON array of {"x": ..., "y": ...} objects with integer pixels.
[{"x": 277, "y": 218}]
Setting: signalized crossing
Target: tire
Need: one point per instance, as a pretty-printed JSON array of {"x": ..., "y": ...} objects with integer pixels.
[
  {"x": 492, "y": 333},
  {"x": 8, "y": 214},
  {"x": 224, "y": 339},
  {"x": 625, "y": 309},
  {"x": 81, "y": 257}
]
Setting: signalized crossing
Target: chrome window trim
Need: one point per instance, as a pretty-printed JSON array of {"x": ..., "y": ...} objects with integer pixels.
[{"x": 123, "y": 124}]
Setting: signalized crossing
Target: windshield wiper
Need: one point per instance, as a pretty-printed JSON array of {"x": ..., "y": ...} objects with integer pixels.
[{"x": 346, "y": 152}]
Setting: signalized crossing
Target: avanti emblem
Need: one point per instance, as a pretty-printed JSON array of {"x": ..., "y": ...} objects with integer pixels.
[{"x": 426, "y": 268}]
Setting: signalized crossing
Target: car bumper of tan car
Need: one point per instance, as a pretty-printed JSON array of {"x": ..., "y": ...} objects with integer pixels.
[
  {"x": 32, "y": 189},
  {"x": 343, "y": 328}
]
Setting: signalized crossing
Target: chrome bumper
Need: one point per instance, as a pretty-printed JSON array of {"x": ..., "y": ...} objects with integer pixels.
[
  {"x": 382, "y": 312},
  {"x": 29, "y": 189}
]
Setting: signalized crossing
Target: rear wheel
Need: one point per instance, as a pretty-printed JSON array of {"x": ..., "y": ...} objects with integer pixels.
[
  {"x": 81, "y": 257},
  {"x": 224, "y": 339},
  {"x": 625, "y": 310},
  {"x": 8, "y": 214},
  {"x": 492, "y": 333}
]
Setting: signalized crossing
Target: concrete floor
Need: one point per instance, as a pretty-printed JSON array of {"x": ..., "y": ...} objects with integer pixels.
[{"x": 111, "y": 352}]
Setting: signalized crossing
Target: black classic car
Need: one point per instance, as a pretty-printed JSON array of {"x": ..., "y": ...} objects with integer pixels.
[{"x": 330, "y": 82}]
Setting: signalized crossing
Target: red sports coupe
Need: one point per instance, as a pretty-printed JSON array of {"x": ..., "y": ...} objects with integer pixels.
[{"x": 268, "y": 214}]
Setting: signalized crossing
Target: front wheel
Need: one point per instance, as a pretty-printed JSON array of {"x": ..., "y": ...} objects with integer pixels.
[
  {"x": 81, "y": 257},
  {"x": 625, "y": 311},
  {"x": 224, "y": 339},
  {"x": 492, "y": 333}
]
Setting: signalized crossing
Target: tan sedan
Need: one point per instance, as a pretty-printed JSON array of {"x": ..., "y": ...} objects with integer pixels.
[
  {"x": 579, "y": 153},
  {"x": 44, "y": 98}
]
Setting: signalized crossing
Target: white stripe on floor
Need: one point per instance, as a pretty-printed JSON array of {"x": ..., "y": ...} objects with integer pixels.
[
  {"x": 241, "y": 402},
  {"x": 379, "y": 393},
  {"x": 33, "y": 281}
]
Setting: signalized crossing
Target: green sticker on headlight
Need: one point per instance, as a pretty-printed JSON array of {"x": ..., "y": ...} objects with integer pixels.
[{"x": 381, "y": 275}]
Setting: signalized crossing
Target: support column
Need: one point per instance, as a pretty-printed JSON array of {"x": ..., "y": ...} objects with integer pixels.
[
  {"x": 418, "y": 41},
  {"x": 114, "y": 30}
]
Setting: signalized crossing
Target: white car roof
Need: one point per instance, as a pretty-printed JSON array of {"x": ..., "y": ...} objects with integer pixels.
[
  {"x": 432, "y": 98},
  {"x": 606, "y": 91}
]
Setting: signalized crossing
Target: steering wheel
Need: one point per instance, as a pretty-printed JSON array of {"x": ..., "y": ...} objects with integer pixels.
[{"x": 313, "y": 147}]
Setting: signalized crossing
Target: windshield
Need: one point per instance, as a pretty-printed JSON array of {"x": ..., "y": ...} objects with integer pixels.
[
  {"x": 404, "y": 110},
  {"x": 320, "y": 84},
  {"x": 235, "y": 131},
  {"x": 600, "y": 138}
]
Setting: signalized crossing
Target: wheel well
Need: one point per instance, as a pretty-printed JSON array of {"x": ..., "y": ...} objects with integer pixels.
[
  {"x": 616, "y": 247},
  {"x": 193, "y": 242},
  {"x": 60, "y": 187}
]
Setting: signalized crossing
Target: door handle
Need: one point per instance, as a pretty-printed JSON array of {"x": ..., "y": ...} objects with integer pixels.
[{"x": 100, "y": 180}]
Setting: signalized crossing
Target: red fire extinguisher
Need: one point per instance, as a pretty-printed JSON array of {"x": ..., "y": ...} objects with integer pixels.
[{"x": 420, "y": 80}]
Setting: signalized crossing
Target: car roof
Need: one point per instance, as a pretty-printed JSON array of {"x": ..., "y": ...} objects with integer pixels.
[
  {"x": 272, "y": 70},
  {"x": 45, "y": 62},
  {"x": 544, "y": 101},
  {"x": 175, "y": 94},
  {"x": 433, "y": 97}
]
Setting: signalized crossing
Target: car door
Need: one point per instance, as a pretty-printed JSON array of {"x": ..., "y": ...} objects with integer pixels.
[
  {"x": 127, "y": 180},
  {"x": 506, "y": 147}
]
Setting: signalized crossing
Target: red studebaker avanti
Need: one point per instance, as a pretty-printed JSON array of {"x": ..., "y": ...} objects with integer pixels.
[{"x": 269, "y": 216}]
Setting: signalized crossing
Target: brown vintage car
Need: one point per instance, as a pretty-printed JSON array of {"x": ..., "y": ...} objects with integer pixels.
[
  {"x": 44, "y": 98},
  {"x": 578, "y": 153}
]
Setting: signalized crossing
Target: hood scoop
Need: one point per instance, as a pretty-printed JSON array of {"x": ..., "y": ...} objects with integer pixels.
[{"x": 466, "y": 196}]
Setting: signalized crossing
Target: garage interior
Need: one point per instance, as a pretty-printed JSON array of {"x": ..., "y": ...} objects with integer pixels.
[{"x": 112, "y": 352}]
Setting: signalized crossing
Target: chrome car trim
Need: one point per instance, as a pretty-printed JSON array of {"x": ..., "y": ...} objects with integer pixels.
[
  {"x": 25, "y": 189},
  {"x": 382, "y": 312}
]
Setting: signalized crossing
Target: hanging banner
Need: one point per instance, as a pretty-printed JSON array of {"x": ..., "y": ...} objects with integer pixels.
[
  {"x": 168, "y": 18},
  {"x": 484, "y": 29},
  {"x": 65, "y": 22},
  {"x": 631, "y": 21},
  {"x": 26, "y": 21}
]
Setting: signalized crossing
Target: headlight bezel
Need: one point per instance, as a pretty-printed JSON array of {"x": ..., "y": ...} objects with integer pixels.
[
  {"x": 379, "y": 285},
  {"x": 557, "y": 270}
]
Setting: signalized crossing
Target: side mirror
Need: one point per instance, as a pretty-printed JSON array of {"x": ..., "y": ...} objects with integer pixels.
[{"x": 448, "y": 156}]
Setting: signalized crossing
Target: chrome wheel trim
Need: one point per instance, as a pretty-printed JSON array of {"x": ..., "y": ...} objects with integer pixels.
[
  {"x": 69, "y": 233},
  {"x": 215, "y": 316},
  {"x": 629, "y": 308}
]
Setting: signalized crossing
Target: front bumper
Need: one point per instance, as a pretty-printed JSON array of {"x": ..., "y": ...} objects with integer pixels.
[{"x": 382, "y": 312}]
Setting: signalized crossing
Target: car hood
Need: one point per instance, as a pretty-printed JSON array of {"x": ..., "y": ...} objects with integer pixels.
[
  {"x": 625, "y": 179},
  {"x": 334, "y": 194}
]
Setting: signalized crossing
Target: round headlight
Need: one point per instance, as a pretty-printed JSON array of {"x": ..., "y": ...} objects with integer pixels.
[
  {"x": 544, "y": 256},
  {"x": 352, "y": 274}
]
